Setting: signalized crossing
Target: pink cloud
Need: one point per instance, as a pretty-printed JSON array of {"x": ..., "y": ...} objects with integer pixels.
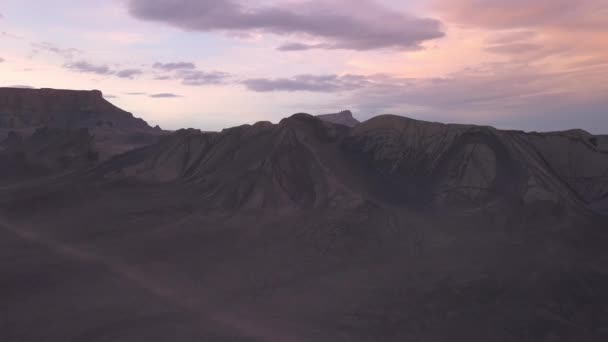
[
  {"x": 510, "y": 14},
  {"x": 534, "y": 31}
]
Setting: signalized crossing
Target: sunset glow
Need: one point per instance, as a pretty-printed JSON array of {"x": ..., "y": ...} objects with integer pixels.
[{"x": 538, "y": 65}]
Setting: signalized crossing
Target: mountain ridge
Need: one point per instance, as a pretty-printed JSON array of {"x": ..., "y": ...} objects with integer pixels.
[
  {"x": 393, "y": 230},
  {"x": 411, "y": 159}
]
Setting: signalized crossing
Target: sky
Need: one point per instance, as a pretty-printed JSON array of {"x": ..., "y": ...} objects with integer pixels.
[{"x": 210, "y": 64}]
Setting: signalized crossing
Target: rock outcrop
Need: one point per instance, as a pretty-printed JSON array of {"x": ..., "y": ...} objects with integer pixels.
[{"x": 343, "y": 118}]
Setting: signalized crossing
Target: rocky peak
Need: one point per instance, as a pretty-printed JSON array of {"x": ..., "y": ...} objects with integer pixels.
[{"x": 342, "y": 118}]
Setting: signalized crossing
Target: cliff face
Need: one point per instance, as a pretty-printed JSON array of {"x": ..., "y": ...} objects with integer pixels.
[
  {"x": 69, "y": 109},
  {"x": 419, "y": 160},
  {"x": 294, "y": 164},
  {"x": 306, "y": 162},
  {"x": 343, "y": 118}
]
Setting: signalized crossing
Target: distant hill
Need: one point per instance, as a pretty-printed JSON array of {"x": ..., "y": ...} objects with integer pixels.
[{"x": 343, "y": 118}]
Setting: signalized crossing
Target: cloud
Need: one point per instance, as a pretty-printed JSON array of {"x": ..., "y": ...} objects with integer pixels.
[
  {"x": 136, "y": 93},
  {"x": 164, "y": 95},
  {"x": 102, "y": 69},
  {"x": 86, "y": 67},
  {"x": 501, "y": 14},
  {"x": 339, "y": 24},
  {"x": 5, "y": 34},
  {"x": 66, "y": 53},
  {"x": 174, "y": 66},
  {"x": 200, "y": 78},
  {"x": 517, "y": 96},
  {"x": 511, "y": 37},
  {"x": 109, "y": 96},
  {"x": 189, "y": 75},
  {"x": 310, "y": 83},
  {"x": 2, "y": 60},
  {"x": 21, "y": 86},
  {"x": 302, "y": 46},
  {"x": 525, "y": 46},
  {"x": 129, "y": 73},
  {"x": 514, "y": 48},
  {"x": 81, "y": 65},
  {"x": 506, "y": 94},
  {"x": 559, "y": 32}
]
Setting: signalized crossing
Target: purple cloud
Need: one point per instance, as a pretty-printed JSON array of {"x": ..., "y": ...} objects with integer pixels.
[
  {"x": 129, "y": 73},
  {"x": 302, "y": 46},
  {"x": 504, "y": 94},
  {"x": 164, "y": 96},
  {"x": 513, "y": 96},
  {"x": 311, "y": 83},
  {"x": 102, "y": 69},
  {"x": 66, "y": 53},
  {"x": 174, "y": 66},
  {"x": 189, "y": 75},
  {"x": 339, "y": 24},
  {"x": 86, "y": 67},
  {"x": 200, "y": 78}
]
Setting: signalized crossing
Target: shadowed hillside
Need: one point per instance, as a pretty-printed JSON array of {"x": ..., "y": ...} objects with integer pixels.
[
  {"x": 304, "y": 162},
  {"x": 392, "y": 230},
  {"x": 115, "y": 130},
  {"x": 46, "y": 151}
]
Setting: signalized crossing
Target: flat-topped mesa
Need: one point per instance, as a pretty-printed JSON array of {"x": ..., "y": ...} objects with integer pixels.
[
  {"x": 343, "y": 118},
  {"x": 30, "y": 108}
]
